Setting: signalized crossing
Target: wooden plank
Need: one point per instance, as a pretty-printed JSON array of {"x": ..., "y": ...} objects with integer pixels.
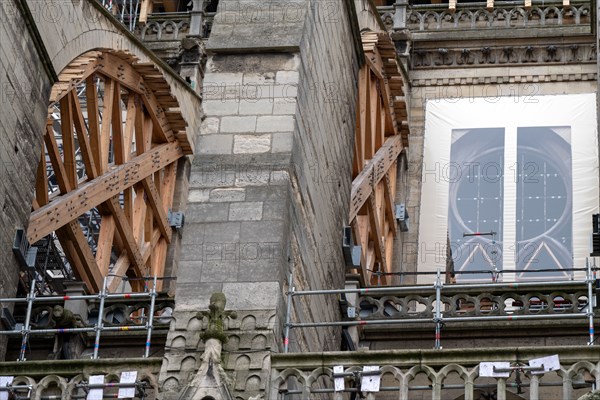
[
  {"x": 66, "y": 83},
  {"x": 76, "y": 236},
  {"x": 91, "y": 97},
  {"x": 97, "y": 191},
  {"x": 363, "y": 184},
  {"x": 107, "y": 114},
  {"x": 68, "y": 141},
  {"x": 376, "y": 235},
  {"x": 125, "y": 74},
  {"x": 157, "y": 207},
  {"x": 139, "y": 214},
  {"x": 105, "y": 243},
  {"x": 168, "y": 185},
  {"x": 69, "y": 249},
  {"x": 117, "y": 126},
  {"x": 84, "y": 143},
  {"x": 57, "y": 166},
  {"x": 389, "y": 203},
  {"x": 129, "y": 242},
  {"x": 41, "y": 180},
  {"x": 159, "y": 255}
]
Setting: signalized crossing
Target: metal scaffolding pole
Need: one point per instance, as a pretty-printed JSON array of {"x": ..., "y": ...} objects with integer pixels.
[
  {"x": 41, "y": 299},
  {"x": 453, "y": 287},
  {"x": 150, "y": 319},
  {"x": 288, "y": 314},
  {"x": 590, "y": 307},
  {"x": 100, "y": 322},
  {"x": 451, "y": 319},
  {"x": 25, "y": 330},
  {"x": 438, "y": 313}
]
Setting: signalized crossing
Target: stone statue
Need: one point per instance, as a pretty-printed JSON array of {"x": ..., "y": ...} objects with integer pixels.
[
  {"x": 66, "y": 345},
  {"x": 211, "y": 379},
  {"x": 216, "y": 318}
]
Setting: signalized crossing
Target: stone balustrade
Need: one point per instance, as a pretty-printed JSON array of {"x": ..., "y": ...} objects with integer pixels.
[
  {"x": 510, "y": 300},
  {"x": 431, "y": 374},
  {"x": 504, "y": 15},
  {"x": 67, "y": 379}
]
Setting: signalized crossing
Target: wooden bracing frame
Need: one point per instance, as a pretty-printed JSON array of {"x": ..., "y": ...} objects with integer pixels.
[
  {"x": 110, "y": 146},
  {"x": 381, "y": 134}
]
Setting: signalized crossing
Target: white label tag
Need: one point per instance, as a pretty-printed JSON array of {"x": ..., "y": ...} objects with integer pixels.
[
  {"x": 97, "y": 393},
  {"x": 338, "y": 382},
  {"x": 550, "y": 363},
  {"x": 370, "y": 383},
  {"x": 486, "y": 369},
  {"x": 127, "y": 377},
  {"x": 4, "y": 382}
]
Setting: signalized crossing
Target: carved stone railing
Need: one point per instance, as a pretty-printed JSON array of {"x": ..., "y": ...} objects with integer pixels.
[
  {"x": 67, "y": 379},
  {"x": 570, "y": 299},
  {"x": 164, "y": 27},
  {"x": 504, "y": 15},
  {"x": 507, "y": 55},
  {"x": 443, "y": 374}
]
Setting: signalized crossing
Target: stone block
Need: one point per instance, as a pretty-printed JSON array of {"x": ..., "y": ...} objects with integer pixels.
[
  {"x": 220, "y": 108},
  {"x": 196, "y": 296},
  {"x": 220, "y": 271},
  {"x": 247, "y": 211},
  {"x": 198, "y": 196},
  {"x": 259, "y": 270},
  {"x": 282, "y": 142},
  {"x": 207, "y": 212},
  {"x": 285, "y": 106},
  {"x": 223, "y": 78},
  {"x": 287, "y": 77},
  {"x": 238, "y": 124},
  {"x": 220, "y": 232},
  {"x": 283, "y": 123},
  {"x": 251, "y": 144},
  {"x": 252, "y": 295},
  {"x": 214, "y": 144},
  {"x": 227, "y": 195},
  {"x": 254, "y": 78},
  {"x": 189, "y": 271},
  {"x": 211, "y": 176},
  {"x": 256, "y": 107},
  {"x": 262, "y": 231}
]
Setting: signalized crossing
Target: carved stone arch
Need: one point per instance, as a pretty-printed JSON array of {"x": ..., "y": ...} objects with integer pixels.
[
  {"x": 488, "y": 17},
  {"x": 556, "y": 10},
  {"x": 316, "y": 373},
  {"x": 580, "y": 12},
  {"x": 72, "y": 388},
  {"x": 516, "y": 12},
  {"x": 147, "y": 30},
  {"x": 46, "y": 382},
  {"x": 430, "y": 372},
  {"x": 434, "y": 16},
  {"x": 150, "y": 379},
  {"x": 464, "y": 15}
]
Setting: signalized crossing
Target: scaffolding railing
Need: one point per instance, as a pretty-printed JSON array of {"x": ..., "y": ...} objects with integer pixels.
[
  {"x": 438, "y": 319},
  {"x": 26, "y": 331}
]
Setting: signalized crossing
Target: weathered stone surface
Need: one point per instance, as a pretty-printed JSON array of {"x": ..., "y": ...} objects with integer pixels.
[
  {"x": 251, "y": 144},
  {"x": 275, "y": 124},
  {"x": 226, "y": 195},
  {"x": 248, "y": 211},
  {"x": 238, "y": 124}
]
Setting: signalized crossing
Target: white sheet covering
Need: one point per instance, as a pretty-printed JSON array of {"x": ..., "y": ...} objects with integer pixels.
[{"x": 575, "y": 112}]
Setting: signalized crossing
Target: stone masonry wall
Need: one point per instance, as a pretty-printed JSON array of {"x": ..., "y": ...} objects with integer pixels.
[
  {"x": 24, "y": 91},
  {"x": 269, "y": 186},
  {"x": 322, "y": 160}
]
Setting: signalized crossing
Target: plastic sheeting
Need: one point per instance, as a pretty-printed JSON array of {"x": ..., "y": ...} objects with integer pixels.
[{"x": 524, "y": 168}]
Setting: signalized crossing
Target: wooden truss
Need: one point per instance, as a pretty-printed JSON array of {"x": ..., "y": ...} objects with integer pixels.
[
  {"x": 381, "y": 134},
  {"x": 110, "y": 149}
]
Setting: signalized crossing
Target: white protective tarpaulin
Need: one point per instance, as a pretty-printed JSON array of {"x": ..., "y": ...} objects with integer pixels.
[{"x": 571, "y": 119}]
